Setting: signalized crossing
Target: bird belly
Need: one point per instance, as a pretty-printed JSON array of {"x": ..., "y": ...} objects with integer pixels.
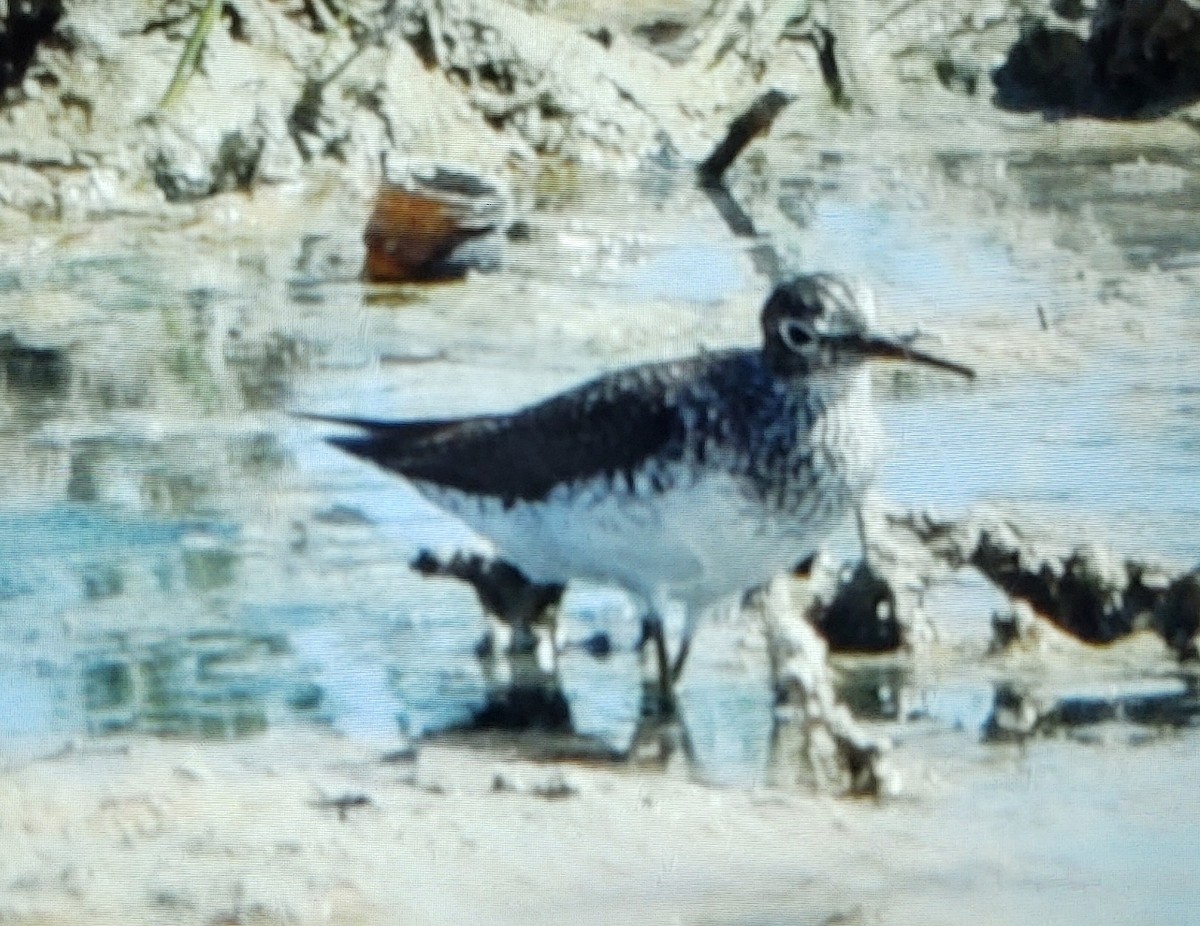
[
  {"x": 593, "y": 529},
  {"x": 748, "y": 542},
  {"x": 702, "y": 540}
]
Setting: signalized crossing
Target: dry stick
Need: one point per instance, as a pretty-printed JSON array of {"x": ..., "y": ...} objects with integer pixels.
[
  {"x": 744, "y": 129},
  {"x": 191, "y": 52},
  {"x": 710, "y": 174}
]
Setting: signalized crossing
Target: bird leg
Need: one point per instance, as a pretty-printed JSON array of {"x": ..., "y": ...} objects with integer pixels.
[
  {"x": 677, "y": 666},
  {"x": 860, "y": 522},
  {"x": 669, "y": 671},
  {"x": 685, "y": 645},
  {"x": 652, "y": 632},
  {"x": 666, "y": 693},
  {"x": 866, "y": 512}
]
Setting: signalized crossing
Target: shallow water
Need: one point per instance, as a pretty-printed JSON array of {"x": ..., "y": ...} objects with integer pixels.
[{"x": 178, "y": 557}]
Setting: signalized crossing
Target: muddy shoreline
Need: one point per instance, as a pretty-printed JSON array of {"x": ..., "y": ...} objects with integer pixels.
[
  {"x": 252, "y": 832},
  {"x": 233, "y": 696}
]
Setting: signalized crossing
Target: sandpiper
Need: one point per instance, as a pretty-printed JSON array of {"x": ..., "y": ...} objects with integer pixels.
[{"x": 688, "y": 482}]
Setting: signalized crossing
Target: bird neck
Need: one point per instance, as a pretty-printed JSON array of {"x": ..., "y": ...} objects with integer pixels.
[
  {"x": 782, "y": 361},
  {"x": 844, "y": 421},
  {"x": 833, "y": 385}
]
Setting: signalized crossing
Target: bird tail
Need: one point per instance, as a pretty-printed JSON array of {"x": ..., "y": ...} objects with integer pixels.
[{"x": 383, "y": 439}]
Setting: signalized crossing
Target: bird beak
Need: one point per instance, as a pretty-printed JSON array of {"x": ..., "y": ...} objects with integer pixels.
[{"x": 899, "y": 349}]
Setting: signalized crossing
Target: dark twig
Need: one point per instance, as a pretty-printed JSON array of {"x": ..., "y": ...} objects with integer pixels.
[
  {"x": 710, "y": 175},
  {"x": 755, "y": 121}
]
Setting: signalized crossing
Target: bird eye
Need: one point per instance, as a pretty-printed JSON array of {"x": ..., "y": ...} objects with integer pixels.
[{"x": 795, "y": 335}]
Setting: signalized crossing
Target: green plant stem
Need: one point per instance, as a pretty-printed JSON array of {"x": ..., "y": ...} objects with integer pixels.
[{"x": 191, "y": 52}]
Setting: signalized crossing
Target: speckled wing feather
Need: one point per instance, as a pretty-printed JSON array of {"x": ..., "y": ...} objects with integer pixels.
[{"x": 606, "y": 427}]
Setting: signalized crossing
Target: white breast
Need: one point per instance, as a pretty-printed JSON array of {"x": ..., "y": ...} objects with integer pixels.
[{"x": 851, "y": 433}]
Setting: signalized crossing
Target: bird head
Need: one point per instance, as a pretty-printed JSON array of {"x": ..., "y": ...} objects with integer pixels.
[{"x": 818, "y": 322}]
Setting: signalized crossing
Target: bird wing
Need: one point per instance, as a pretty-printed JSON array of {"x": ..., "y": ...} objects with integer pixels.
[{"x": 606, "y": 427}]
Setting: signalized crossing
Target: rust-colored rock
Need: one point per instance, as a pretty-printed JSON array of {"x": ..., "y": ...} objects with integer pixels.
[{"x": 434, "y": 227}]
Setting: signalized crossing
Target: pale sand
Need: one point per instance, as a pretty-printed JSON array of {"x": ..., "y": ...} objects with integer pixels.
[{"x": 147, "y": 831}]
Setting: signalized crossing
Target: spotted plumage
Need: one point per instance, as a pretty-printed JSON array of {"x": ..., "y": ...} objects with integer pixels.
[{"x": 686, "y": 481}]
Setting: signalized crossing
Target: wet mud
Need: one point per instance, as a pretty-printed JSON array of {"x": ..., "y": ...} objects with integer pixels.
[{"x": 220, "y": 664}]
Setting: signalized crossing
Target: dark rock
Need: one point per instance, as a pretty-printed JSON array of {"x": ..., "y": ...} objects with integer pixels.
[
  {"x": 306, "y": 697},
  {"x": 1177, "y": 616},
  {"x": 519, "y": 231},
  {"x": 861, "y": 760},
  {"x": 861, "y": 616},
  {"x": 1046, "y": 70},
  {"x": 342, "y": 516},
  {"x": 24, "y": 25},
  {"x": 1147, "y": 54},
  {"x": 1073, "y": 592},
  {"x": 183, "y": 173},
  {"x": 37, "y": 371},
  {"x": 1141, "y": 59},
  {"x": 555, "y": 789},
  {"x": 876, "y": 691},
  {"x": 1006, "y": 631},
  {"x": 1085, "y": 589},
  {"x": 524, "y": 707},
  {"x": 405, "y": 755}
]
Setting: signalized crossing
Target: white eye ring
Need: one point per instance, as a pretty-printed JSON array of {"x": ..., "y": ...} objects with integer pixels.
[{"x": 796, "y": 335}]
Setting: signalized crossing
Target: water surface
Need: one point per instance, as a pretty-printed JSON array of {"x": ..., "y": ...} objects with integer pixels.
[{"x": 179, "y": 557}]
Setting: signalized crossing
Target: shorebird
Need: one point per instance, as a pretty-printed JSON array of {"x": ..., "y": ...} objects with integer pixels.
[{"x": 688, "y": 482}]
